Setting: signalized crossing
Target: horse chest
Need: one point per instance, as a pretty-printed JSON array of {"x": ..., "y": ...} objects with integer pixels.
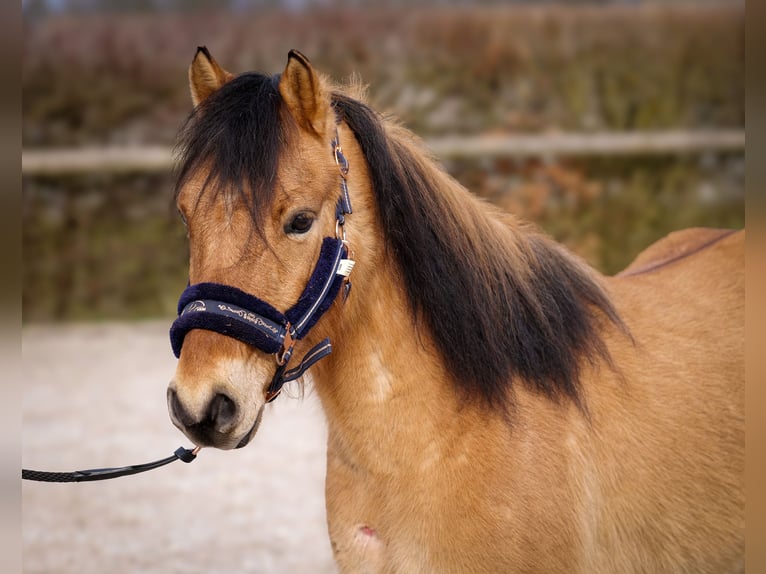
[
  {"x": 439, "y": 512},
  {"x": 384, "y": 524},
  {"x": 354, "y": 517},
  {"x": 376, "y": 521}
]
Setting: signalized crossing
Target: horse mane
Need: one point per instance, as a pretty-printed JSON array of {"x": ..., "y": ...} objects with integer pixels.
[{"x": 503, "y": 302}]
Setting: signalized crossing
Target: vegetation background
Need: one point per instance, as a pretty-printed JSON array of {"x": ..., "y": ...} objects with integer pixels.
[{"x": 99, "y": 72}]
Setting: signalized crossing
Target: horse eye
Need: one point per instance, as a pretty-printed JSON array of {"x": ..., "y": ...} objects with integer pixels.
[{"x": 301, "y": 223}]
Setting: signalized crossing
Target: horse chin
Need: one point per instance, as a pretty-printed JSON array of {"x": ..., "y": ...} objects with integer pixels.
[{"x": 253, "y": 429}]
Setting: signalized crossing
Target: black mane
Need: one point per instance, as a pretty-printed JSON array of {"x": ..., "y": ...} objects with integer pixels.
[
  {"x": 501, "y": 308},
  {"x": 530, "y": 317},
  {"x": 239, "y": 134}
]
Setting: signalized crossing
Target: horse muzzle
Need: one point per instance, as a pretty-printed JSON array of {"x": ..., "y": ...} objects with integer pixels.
[
  {"x": 216, "y": 424},
  {"x": 218, "y": 403}
]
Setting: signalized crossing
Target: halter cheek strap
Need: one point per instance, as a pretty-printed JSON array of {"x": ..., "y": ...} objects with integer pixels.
[{"x": 235, "y": 313}]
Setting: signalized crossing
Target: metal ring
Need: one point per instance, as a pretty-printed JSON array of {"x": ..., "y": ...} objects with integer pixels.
[
  {"x": 340, "y": 231},
  {"x": 283, "y": 355},
  {"x": 340, "y": 160}
]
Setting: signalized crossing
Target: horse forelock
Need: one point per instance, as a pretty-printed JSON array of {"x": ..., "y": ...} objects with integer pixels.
[
  {"x": 503, "y": 303},
  {"x": 235, "y": 139}
]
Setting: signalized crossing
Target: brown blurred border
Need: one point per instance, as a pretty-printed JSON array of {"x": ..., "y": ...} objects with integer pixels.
[
  {"x": 10, "y": 285},
  {"x": 755, "y": 178},
  {"x": 10, "y": 263}
]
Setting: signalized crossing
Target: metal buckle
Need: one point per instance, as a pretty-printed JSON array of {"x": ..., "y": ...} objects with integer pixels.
[
  {"x": 340, "y": 231},
  {"x": 340, "y": 159},
  {"x": 287, "y": 347}
]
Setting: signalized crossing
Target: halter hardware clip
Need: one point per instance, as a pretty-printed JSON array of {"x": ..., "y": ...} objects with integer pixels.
[{"x": 287, "y": 346}]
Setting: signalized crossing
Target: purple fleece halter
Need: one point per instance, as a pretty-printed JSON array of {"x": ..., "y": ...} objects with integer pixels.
[{"x": 235, "y": 313}]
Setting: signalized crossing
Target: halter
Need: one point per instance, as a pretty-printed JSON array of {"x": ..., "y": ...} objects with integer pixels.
[{"x": 235, "y": 313}]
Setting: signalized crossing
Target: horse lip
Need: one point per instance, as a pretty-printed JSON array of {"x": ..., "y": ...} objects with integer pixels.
[{"x": 251, "y": 433}]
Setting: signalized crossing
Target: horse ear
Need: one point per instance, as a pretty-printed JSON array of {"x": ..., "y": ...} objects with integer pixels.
[
  {"x": 205, "y": 76},
  {"x": 301, "y": 90}
]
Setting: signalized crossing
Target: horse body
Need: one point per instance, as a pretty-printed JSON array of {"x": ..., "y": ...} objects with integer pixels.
[
  {"x": 619, "y": 489},
  {"x": 611, "y": 443}
]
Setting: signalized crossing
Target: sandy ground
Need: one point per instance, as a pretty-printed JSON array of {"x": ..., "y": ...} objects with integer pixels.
[{"x": 94, "y": 396}]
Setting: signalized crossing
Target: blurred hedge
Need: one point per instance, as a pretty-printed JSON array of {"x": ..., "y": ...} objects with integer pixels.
[
  {"x": 113, "y": 247},
  {"x": 118, "y": 78},
  {"x": 101, "y": 246}
]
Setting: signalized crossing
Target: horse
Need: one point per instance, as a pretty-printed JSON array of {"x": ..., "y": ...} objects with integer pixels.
[{"x": 493, "y": 403}]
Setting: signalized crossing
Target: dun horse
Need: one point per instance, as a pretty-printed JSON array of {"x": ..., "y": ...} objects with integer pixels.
[{"x": 493, "y": 404}]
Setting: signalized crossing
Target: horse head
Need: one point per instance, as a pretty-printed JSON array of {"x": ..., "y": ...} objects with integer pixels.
[{"x": 264, "y": 201}]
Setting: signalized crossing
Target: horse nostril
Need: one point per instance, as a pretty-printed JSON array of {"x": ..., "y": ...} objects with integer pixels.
[
  {"x": 177, "y": 410},
  {"x": 218, "y": 417},
  {"x": 221, "y": 412}
]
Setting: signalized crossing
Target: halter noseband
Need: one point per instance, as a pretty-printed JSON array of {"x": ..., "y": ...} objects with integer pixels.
[{"x": 235, "y": 313}]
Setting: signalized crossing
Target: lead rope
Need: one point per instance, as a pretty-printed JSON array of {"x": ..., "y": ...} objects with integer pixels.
[
  {"x": 282, "y": 375},
  {"x": 181, "y": 453}
]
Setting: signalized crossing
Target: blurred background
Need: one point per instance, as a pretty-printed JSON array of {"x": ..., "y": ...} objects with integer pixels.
[
  {"x": 104, "y": 242},
  {"x": 608, "y": 123}
]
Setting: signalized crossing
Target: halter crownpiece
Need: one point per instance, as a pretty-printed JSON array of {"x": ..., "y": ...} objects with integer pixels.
[{"x": 235, "y": 313}]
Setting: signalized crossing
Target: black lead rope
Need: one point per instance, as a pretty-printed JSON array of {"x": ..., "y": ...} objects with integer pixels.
[
  {"x": 238, "y": 314},
  {"x": 181, "y": 453}
]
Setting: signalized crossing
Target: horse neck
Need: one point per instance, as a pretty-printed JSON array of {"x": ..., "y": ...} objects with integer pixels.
[
  {"x": 385, "y": 382},
  {"x": 394, "y": 372}
]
